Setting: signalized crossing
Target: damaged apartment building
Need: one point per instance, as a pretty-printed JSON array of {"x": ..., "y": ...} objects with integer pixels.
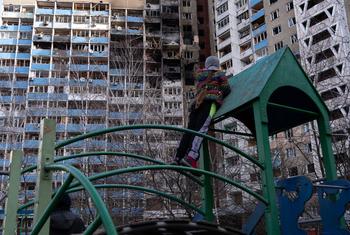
[{"x": 90, "y": 65}]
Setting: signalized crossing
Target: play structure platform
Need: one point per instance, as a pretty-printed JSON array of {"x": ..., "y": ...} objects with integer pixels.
[{"x": 272, "y": 96}]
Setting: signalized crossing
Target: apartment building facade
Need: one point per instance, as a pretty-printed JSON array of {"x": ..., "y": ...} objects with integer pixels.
[
  {"x": 91, "y": 65},
  {"x": 323, "y": 31}
]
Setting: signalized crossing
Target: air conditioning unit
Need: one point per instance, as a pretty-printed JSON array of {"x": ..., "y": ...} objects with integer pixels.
[
  {"x": 82, "y": 79},
  {"x": 45, "y": 23}
]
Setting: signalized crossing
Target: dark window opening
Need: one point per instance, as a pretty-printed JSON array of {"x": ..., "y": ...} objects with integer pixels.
[
  {"x": 323, "y": 55},
  {"x": 293, "y": 171},
  {"x": 339, "y": 136},
  {"x": 336, "y": 114},
  {"x": 311, "y": 168},
  {"x": 320, "y": 37},
  {"x": 330, "y": 94},
  {"x": 307, "y": 41},
  {"x": 340, "y": 68},
  {"x": 318, "y": 18},
  {"x": 312, "y": 3},
  {"x": 330, "y": 10},
  {"x": 336, "y": 48},
  {"x": 329, "y": 73}
]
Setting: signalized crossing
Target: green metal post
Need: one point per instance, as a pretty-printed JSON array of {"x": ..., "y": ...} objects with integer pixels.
[
  {"x": 43, "y": 188},
  {"x": 326, "y": 145},
  {"x": 268, "y": 187},
  {"x": 10, "y": 221},
  {"x": 207, "y": 190}
]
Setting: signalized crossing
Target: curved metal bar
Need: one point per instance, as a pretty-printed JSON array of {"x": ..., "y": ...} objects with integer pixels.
[
  {"x": 99, "y": 204},
  {"x": 40, "y": 223},
  {"x": 177, "y": 168},
  {"x": 131, "y": 155},
  {"x": 162, "y": 127},
  {"x": 140, "y": 188},
  {"x": 93, "y": 226}
]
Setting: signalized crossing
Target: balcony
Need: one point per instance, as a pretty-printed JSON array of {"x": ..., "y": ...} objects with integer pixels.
[
  {"x": 246, "y": 53},
  {"x": 10, "y": 41},
  {"x": 22, "y": 70},
  {"x": 75, "y": 127},
  {"x": 170, "y": 15},
  {"x": 7, "y": 14},
  {"x": 24, "y": 42},
  {"x": 42, "y": 38},
  {"x": 44, "y": 11},
  {"x": 99, "y": 40},
  {"x": 254, "y": 2},
  {"x": 261, "y": 44},
  {"x": 135, "y": 19},
  {"x": 82, "y": 13},
  {"x": 6, "y": 69},
  {"x": 61, "y": 53},
  {"x": 23, "y": 56},
  {"x": 224, "y": 43},
  {"x": 37, "y": 96},
  {"x": 63, "y": 12},
  {"x": 40, "y": 67},
  {"x": 245, "y": 39},
  {"x": 99, "y": 13},
  {"x": 43, "y": 24},
  {"x": 41, "y": 52},
  {"x": 244, "y": 23},
  {"x": 99, "y": 54},
  {"x": 25, "y": 28},
  {"x": 7, "y": 55},
  {"x": 32, "y": 144},
  {"x": 62, "y": 25},
  {"x": 79, "y": 67},
  {"x": 76, "y": 39},
  {"x": 257, "y": 15},
  {"x": 61, "y": 38},
  {"x": 259, "y": 30}
]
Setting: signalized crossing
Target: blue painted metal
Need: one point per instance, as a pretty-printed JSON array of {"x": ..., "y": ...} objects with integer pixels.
[
  {"x": 44, "y": 11},
  {"x": 292, "y": 194},
  {"x": 258, "y": 14},
  {"x": 254, "y": 2},
  {"x": 254, "y": 218},
  {"x": 99, "y": 40},
  {"x": 22, "y": 70},
  {"x": 63, "y": 12},
  {"x": 7, "y": 55},
  {"x": 40, "y": 66},
  {"x": 25, "y": 28},
  {"x": 259, "y": 30},
  {"x": 41, "y": 52},
  {"x": 24, "y": 42},
  {"x": 262, "y": 44},
  {"x": 333, "y": 203},
  {"x": 9, "y": 41}
]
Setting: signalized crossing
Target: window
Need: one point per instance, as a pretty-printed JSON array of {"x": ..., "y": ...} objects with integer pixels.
[
  {"x": 275, "y": 14},
  {"x": 293, "y": 171},
  {"x": 222, "y": 8},
  {"x": 187, "y": 16},
  {"x": 294, "y": 38},
  {"x": 289, "y": 6},
  {"x": 323, "y": 55},
  {"x": 276, "y": 30},
  {"x": 288, "y": 133},
  {"x": 232, "y": 161},
  {"x": 225, "y": 21},
  {"x": 320, "y": 37},
  {"x": 186, "y": 3},
  {"x": 308, "y": 148},
  {"x": 290, "y": 152},
  {"x": 306, "y": 128},
  {"x": 278, "y": 45},
  {"x": 273, "y": 1},
  {"x": 241, "y": 3},
  {"x": 243, "y": 16},
  {"x": 310, "y": 168},
  {"x": 260, "y": 37},
  {"x": 254, "y": 177},
  {"x": 291, "y": 21}
]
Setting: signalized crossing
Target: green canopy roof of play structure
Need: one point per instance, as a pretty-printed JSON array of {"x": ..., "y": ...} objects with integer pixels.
[{"x": 280, "y": 82}]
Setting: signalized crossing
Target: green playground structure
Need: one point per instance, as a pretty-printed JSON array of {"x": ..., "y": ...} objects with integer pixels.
[{"x": 272, "y": 96}]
